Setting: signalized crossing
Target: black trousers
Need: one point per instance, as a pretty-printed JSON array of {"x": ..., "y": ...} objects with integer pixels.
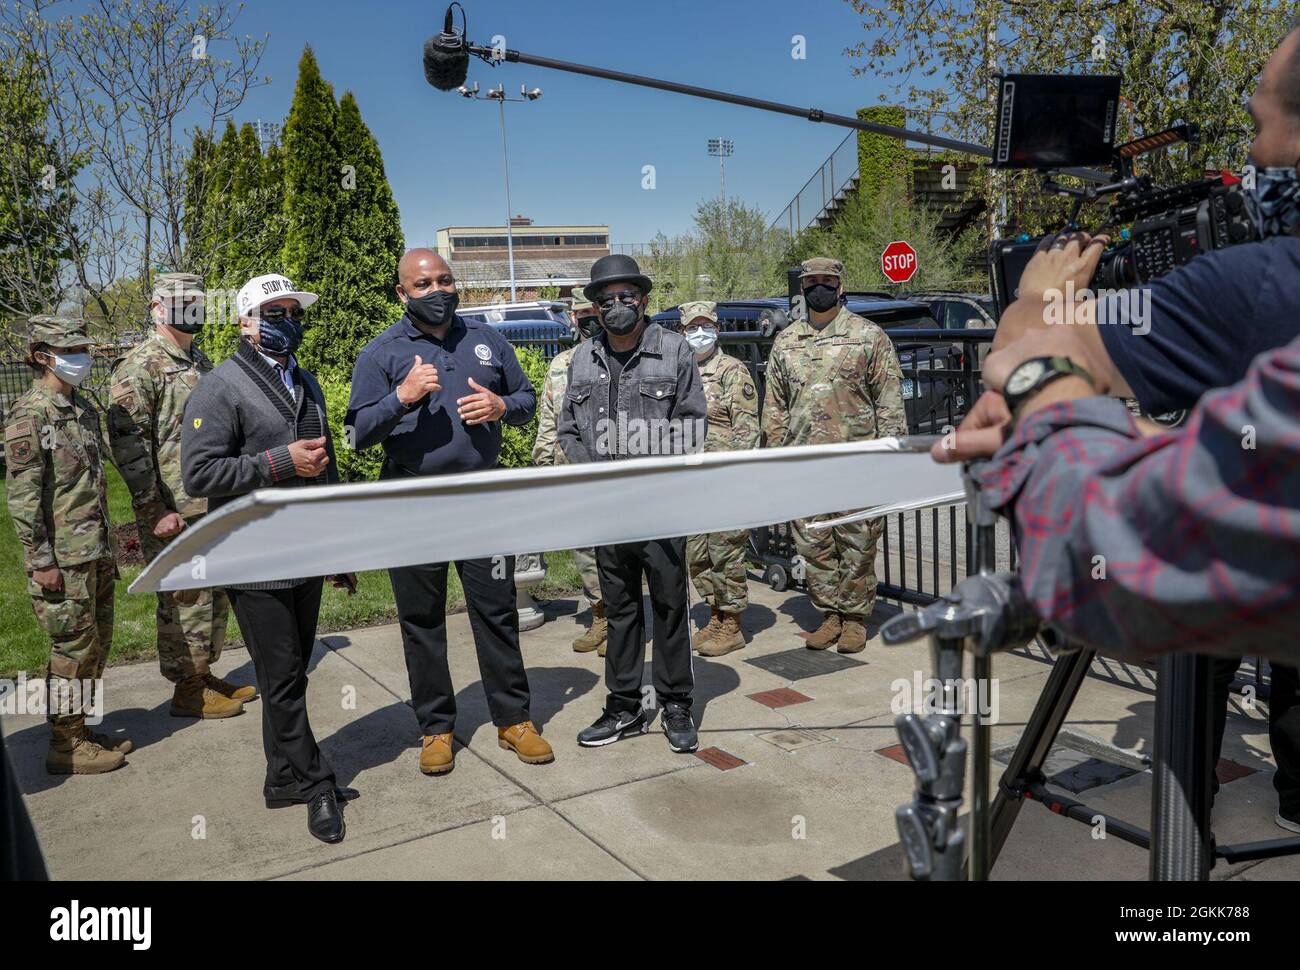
[
  {"x": 1283, "y": 725},
  {"x": 421, "y": 595},
  {"x": 279, "y": 626},
  {"x": 662, "y": 562}
]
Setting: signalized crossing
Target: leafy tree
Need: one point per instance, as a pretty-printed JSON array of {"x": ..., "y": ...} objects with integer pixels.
[
  {"x": 1180, "y": 60},
  {"x": 358, "y": 301},
  {"x": 867, "y": 224},
  {"x": 34, "y": 203},
  {"x": 313, "y": 193},
  {"x": 731, "y": 254}
]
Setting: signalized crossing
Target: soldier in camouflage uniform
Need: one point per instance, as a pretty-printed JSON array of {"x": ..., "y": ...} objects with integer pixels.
[
  {"x": 717, "y": 560},
  {"x": 547, "y": 452},
  {"x": 149, "y": 389},
  {"x": 834, "y": 377},
  {"x": 58, "y": 497}
]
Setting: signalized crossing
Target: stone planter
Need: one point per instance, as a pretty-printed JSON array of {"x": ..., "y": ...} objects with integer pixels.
[{"x": 530, "y": 569}]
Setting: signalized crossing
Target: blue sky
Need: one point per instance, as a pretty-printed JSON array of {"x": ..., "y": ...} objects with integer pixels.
[{"x": 576, "y": 155}]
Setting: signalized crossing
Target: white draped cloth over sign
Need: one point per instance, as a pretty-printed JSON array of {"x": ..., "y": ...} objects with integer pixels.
[{"x": 291, "y": 532}]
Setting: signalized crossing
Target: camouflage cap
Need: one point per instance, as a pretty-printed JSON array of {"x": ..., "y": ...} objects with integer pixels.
[
  {"x": 177, "y": 286},
  {"x": 56, "y": 331},
  {"x": 699, "y": 308},
  {"x": 580, "y": 302},
  {"x": 821, "y": 266}
]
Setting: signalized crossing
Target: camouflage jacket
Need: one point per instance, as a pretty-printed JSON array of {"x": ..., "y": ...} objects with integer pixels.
[
  {"x": 58, "y": 494},
  {"x": 840, "y": 383},
  {"x": 546, "y": 450},
  {"x": 733, "y": 404},
  {"x": 150, "y": 387}
]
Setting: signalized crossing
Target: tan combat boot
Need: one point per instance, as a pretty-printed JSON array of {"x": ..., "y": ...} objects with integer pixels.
[
  {"x": 72, "y": 754},
  {"x": 194, "y": 698},
  {"x": 230, "y": 691},
  {"x": 107, "y": 742},
  {"x": 707, "y": 632},
  {"x": 826, "y": 634},
  {"x": 728, "y": 638},
  {"x": 524, "y": 741},
  {"x": 853, "y": 636},
  {"x": 436, "y": 757},
  {"x": 594, "y": 638}
]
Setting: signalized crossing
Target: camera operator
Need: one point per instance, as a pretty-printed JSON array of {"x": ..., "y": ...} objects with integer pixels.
[{"x": 1139, "y": 540}]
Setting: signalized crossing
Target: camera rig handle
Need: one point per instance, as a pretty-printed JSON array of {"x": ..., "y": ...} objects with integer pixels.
[{"x": 987, "y": 612}]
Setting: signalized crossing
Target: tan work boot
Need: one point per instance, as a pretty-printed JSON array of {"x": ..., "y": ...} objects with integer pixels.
[
  {"x": 71, "y": 753},
  {"x": 853, "y": 635},
  {"x": 728, "y": 638},
  {"x": 708, "y": 631},
  {"x": 826, "y": 634},
  {"x": 107, "y": 742},
  {"x": 230, "y": 691},
  {"x": 194, "y": 698},
  {"x": 524, "y": 741},
  {"x": 594, "y": 638},
  {"x": 436, "y": 756}
]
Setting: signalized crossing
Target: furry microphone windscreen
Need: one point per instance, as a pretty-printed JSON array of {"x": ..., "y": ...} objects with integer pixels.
[{"x": 446, "y": 62}]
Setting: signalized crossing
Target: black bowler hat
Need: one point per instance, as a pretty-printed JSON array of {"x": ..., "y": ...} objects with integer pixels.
[{"x": 615, "y": 268}]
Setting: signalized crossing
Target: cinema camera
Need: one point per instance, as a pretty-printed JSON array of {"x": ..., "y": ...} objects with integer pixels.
[{"x": 1051, "y": 122}]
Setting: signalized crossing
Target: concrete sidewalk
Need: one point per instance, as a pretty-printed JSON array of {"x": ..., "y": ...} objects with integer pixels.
[{"x": 813, "y": 797}]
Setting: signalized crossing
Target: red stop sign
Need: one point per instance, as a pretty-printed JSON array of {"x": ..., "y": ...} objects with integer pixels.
[{"x": 898, "y": 262}]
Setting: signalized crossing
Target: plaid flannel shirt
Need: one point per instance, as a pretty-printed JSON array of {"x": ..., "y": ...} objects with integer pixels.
[{"x": 1189, "y": 540}]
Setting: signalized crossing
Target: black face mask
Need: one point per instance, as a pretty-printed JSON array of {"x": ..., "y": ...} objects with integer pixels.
[
  {"x": 821, "y": 297},
  {"x": 588, "y": 326},
  {"x": 620, "y": 319},
  {"x": 186, "y": 319},
  {"x": 433, "y": 309}
]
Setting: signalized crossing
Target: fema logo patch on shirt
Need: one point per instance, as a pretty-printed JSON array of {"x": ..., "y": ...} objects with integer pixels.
[{"x": 484, "y": 352}]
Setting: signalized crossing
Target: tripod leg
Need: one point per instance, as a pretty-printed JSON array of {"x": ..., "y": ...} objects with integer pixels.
[
  {"x": 1180, "y": 802},
  {"x": 1036, "y": 743}
]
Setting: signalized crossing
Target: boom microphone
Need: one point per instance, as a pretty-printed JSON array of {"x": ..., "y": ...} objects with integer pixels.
[{"x": 446, "y": 57}]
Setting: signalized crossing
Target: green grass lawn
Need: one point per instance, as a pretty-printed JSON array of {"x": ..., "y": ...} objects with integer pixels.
[{"x": 24, "y": 646}]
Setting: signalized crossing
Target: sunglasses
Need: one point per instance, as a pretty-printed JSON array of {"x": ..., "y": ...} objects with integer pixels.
[
  {"x": 625, "y": 297},
  {"x": 278, "y": 314}
]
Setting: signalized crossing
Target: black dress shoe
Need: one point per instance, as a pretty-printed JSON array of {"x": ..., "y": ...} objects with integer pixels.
[
  {"x": 285, "y": 800},
  {"x": 325, "y": 818}
]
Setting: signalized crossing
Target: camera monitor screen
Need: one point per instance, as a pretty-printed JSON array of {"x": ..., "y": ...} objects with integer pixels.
[{"x": 1055, "y": 120}]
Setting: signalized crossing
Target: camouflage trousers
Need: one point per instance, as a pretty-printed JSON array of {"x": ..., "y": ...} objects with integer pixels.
[
  {"x": 840, "y": 564},
  {"x": 717, "y": 566},
  {"x": 191, "y": 626},
  {"x": 584, "y": 560},
  {"x": 79, "y": 621}
]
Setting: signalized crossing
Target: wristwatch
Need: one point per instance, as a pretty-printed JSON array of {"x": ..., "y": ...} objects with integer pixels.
[{"x": 1032, "y": 375}]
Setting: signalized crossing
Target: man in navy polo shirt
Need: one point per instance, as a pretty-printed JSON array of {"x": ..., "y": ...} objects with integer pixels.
[{"x": 433, "y": 389}]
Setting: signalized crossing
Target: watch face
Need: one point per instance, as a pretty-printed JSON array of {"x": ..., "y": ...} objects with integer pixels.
[{"x": 1025, "y": 376}]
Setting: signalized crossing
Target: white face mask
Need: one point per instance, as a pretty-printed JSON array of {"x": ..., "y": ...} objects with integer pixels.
[
  {"x": 701, "y": 339},
  {"x": 72, "y": 368}
]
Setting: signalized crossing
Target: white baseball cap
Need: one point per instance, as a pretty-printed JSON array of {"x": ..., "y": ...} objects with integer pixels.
[{"x": 268, "y": 287}]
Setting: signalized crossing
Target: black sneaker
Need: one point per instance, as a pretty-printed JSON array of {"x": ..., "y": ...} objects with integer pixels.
[
  {"x": 613, "y": 726},
  {"x": 1289, "y": 822},
  {"x": 679, "y": 729}
]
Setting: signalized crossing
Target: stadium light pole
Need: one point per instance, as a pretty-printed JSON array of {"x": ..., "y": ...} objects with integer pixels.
[
  {"x": 498, "y": 94},
  {"x": 723, "y": 148}
]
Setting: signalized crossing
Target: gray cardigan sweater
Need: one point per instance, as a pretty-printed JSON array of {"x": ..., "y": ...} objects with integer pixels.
[{"x": 235, "y": 438}]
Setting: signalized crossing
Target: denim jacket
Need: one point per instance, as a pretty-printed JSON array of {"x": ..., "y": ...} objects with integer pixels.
[{"x": 661, "y": 404}]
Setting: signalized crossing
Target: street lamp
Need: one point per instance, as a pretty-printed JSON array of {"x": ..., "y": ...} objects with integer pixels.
[
  {"x": 498, "y": 94},
  {"x": 722, "y": 147}
]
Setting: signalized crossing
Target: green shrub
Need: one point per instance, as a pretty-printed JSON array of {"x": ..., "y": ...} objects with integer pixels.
[
  {"x": 354, "y": 466},
  {"x": 517, "y": 442}
]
